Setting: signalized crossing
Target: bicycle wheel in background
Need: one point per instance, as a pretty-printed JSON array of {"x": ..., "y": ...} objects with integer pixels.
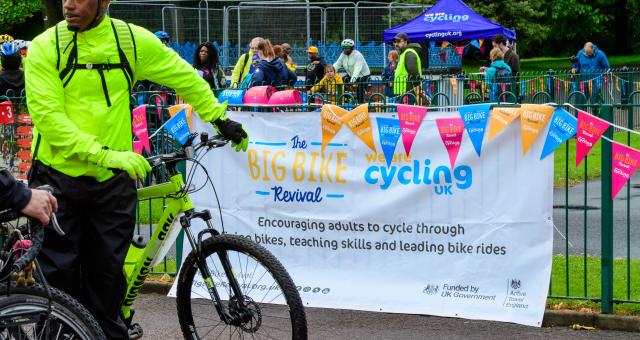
[
  {"x": 275, "y": 310},
  {"x": 23, "y": 315}
]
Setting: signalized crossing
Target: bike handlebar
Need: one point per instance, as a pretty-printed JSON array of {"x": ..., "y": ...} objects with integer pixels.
[
  {"x": 187, "y": 150},
  {"x": 37, "y": 233}
]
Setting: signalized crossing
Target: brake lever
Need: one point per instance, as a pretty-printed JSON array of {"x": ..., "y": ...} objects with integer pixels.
[{"x": 54, "y": 223}]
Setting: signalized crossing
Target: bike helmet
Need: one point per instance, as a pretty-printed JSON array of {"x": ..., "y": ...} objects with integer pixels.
[
  {"x": 5, "y": 38},
  {"x": 20, "y": 44},
  {"x": 347, "y": 43},
  {"x": 162, "y": 35},
  {"x": 8, "y": 48}
]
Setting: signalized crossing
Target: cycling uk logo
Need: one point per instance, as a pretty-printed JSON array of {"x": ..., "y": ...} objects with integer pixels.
[
  {"x": 442, "y": 16},
  {"x": 403, "y": 169}
]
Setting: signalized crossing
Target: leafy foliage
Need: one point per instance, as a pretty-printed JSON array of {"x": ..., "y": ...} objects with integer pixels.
[{"x": 14, "y": 12}]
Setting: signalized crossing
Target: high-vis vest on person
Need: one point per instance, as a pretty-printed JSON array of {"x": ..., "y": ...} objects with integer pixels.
[
  {"x": 401, "y": 75},
  {"x": 78, "y": 87}
]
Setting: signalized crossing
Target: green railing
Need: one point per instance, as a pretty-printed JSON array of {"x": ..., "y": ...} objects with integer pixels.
[{"x": 609, "y": 276}]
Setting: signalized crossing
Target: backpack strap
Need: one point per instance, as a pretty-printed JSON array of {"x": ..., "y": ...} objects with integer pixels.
[{"x": 125, "y": 44}]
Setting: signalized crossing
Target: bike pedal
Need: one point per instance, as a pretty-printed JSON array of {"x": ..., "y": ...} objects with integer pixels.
[{"x": 135, "y": 331}]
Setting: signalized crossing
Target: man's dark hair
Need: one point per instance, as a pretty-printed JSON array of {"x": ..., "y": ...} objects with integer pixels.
[
  {"x": 212, "y": 56},
  {"x": 499, "y": 39},
  {"x": 11, "y": 62}
]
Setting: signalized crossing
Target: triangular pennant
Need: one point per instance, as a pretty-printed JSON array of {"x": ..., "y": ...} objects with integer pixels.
[
  {"x": 359, "y": 123},
  {"x": 139, "y": 126},
  {"x": 563, "y": 126},
  {"x": 331, "y": 117},
  {"x": 475, "y": 44},
  {"x": 444, "y": 44},
  {"x": 432, "y": 44},
  {"x": 389, "y": 130},
  {"x": 175, "y": 108},
  {"x": 501, "y": 117},
  {"x": 590, "y": 129},
  {"x": 475, "y": 121},
  {"x": 624, "y": 163},
  {"x": 178, "y": 126},
  {"x": 460, "y": 50},
  {"x": 410, "y": 120},
  {"x": 451, "y": 130},
  {"x": 532, "y": 119}
]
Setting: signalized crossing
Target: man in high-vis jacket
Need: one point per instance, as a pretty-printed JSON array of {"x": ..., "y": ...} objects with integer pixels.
[
  {"x": 79, "y": 75},
  {"x": 409, "y": 68}
]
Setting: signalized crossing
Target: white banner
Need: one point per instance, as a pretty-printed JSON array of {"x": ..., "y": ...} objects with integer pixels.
[{"x": 414, "y": 236}]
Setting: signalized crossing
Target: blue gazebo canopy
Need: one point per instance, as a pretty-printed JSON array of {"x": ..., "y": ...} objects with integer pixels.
[{"x": 449, "y": 20}]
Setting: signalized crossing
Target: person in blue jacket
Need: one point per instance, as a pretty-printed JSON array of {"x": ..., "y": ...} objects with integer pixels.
[
  {"x": 590, "y": 59},
  {"x": 497, "y": 74},
  {"x": 271, "y": 70},
  {"x": 590, "y": 62}
]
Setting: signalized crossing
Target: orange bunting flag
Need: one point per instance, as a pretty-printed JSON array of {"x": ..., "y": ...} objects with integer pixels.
[
  {"x": 501, "y": 117},
  {"x": 454, "y": 85},
  {"x": 357, "y": 120},
  {"x": 176, "y": 108},
  {"x": 532, "y": 120},
  {"x": 331, "y": 122},
  {"x": 444, "y": 44}
]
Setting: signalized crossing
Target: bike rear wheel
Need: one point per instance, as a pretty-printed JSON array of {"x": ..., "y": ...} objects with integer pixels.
[
  {"x": 269, "y": 294},
  {"x": 24, "y": 315}
]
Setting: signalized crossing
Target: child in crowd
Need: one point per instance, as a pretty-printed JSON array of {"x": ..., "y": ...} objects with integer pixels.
[{"x": 331, "y": 84}]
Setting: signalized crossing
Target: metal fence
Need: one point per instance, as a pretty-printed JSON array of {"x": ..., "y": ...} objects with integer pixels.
[
  {"x": 598, "y": 236},
  {"x": 231, "y": 25}
]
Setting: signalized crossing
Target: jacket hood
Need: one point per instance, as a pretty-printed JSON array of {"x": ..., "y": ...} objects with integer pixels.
[
  {"x": 595, "y": 52},
  {"x": 415, "y": 46},
  {"x": 276, "y": 65},
  {"x": 500, "y": 64}
]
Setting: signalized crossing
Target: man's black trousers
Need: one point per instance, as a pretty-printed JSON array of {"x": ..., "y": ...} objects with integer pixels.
[{"x": 98, "y": 219}]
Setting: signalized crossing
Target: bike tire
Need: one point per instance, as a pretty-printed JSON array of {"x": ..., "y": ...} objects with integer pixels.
[
  {"x": 235, "y": 246},
  {"x": 25, "y": 304}
]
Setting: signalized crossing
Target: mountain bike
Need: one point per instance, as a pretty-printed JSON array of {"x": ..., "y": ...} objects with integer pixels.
[
  {"x": 228, "y": 285},
  {"x": 29, "y": 308}
]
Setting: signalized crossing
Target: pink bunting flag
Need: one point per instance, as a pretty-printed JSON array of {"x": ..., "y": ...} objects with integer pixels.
[
  {"x": 590, "y": 129},
  {"x": 410, "y": 120},
  {"x": 460, "y": 50},
  {"x": 139, "y": 126},
  {"x": 625, "y": 161},
  {"x": 451, "y": 130}
]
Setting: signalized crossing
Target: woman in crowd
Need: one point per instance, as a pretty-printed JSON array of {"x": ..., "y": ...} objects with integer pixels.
[
  {"x": 206, "y": 61},
  {"x": 496, "y": 74},
  {"x": 271, "y": 70},
  {"x": 331, "y": 84},
  {"x": 281, "y": 52}
]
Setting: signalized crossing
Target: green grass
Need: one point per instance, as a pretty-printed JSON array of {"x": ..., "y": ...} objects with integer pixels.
[
  {"x": 593, "y": 162},
  {"x": 576, "y": 287},
  {"x": 561, "y": 63},
  {"x": 153, "y": 216}
]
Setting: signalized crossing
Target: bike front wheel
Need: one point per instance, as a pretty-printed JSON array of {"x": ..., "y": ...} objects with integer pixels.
[
  {"x": 24, "y": 314},
  {"x": 269, "y": 298}
]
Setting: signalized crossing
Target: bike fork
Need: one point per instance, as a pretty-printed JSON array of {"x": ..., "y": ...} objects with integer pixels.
[{"x": 204, "y": 270}]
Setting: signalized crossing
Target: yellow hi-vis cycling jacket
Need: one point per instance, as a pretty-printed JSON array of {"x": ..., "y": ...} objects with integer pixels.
[{"x": 89, "y": 109}]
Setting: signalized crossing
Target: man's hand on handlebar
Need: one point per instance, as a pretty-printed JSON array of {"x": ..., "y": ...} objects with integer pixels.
[
  {"x": 41, "y": 205},
  {"x": 234, "y": 132}
]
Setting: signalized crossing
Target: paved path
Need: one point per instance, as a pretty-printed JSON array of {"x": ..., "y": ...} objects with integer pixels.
[
  {"x": 576, "y": 218},
  {"x": 157, "y": 315}
]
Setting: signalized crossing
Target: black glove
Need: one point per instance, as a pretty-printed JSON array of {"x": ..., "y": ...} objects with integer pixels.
[{"x": 234, "y": 132}]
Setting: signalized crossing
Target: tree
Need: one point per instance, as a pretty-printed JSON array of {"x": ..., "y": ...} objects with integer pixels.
[{"x": 14, "y": 12}]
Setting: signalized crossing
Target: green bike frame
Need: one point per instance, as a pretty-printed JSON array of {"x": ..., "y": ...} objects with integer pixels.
[{"x": 143, "y": 257}]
